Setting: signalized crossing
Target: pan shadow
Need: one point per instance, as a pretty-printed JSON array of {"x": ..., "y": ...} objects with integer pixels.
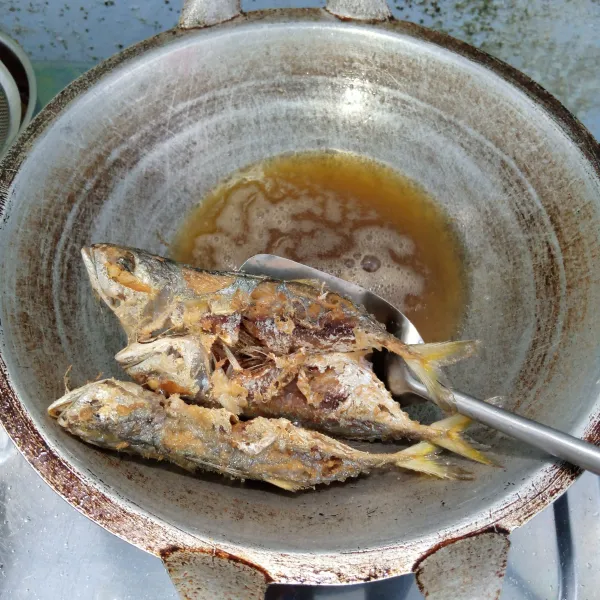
[{"x": 398, "y": 588}]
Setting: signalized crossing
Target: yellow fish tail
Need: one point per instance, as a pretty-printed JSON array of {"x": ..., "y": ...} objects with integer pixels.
[
  {"x": 450, "y": 438},
  {"x": 422, "y": 457},
  {"x": 426, "y": 360}
]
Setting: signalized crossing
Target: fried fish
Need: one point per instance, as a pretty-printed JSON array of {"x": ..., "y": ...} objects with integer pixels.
[
  {"x": 335, "y": 393},
  {"x": 154, "y": 297},
  {"x": 125, "y": 417}
]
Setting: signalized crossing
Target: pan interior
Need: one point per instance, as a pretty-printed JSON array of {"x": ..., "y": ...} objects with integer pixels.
[{"x": 128, "y": 159}]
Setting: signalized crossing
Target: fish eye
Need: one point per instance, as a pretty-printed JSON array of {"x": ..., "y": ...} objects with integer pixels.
[{"x": 127, "y": 262}]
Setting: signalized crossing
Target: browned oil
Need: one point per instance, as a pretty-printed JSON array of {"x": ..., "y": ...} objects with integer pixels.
[{"x": 353, "y": 217}]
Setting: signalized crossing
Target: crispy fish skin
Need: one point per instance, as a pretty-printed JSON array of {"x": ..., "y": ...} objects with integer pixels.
[
  {"x": 341, "y": 396},
  {"x": 336, "y": 393},
  {"x": 123, "y": 416},
  {"x": 153, "y": 296}
]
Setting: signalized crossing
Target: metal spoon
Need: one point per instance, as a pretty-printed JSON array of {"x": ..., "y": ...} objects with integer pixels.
[{"x": 401, "y": 381}]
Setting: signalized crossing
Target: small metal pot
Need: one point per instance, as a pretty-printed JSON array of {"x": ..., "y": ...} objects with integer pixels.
[{"x": 125, "y": 151}]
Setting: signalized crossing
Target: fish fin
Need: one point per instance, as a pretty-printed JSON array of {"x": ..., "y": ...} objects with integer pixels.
[
  {"x": 425, "y": 360},
  {"x": 422, "y": 458},
  {"x": 444, "y": 354},
  {"x": 451, "y": 439},
  {"x": 430, "y": 377},
  {"x": 316, "y": 283},
  {"x": 284, "y": 484},
  {"x": 67, "y": 379}
]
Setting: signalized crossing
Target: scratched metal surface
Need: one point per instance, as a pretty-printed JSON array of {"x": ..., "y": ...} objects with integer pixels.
[{"x": 48, "y": 550}]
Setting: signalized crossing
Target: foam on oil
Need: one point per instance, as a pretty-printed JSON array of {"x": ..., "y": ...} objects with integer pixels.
[{"x": 341, "y": 213}]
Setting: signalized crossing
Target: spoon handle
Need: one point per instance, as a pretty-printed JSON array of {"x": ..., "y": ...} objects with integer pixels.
[
  {"x": 554, "y": 442},
  {"x": 557, "y": 443}
]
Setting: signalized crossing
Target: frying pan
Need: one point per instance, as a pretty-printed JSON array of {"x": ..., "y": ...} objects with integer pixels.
[{"x": 127, "y": 150}]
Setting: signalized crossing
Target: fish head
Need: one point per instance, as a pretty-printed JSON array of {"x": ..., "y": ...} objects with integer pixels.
[
  {"x": 100, "y": 411},
  {"x": 60, "y": 408},
  {"x": 119, "y": 273},
  {"x": 76, "y": 403},
  {"x": 129, "y": 280},
  {"x": 171, "y": 365}
]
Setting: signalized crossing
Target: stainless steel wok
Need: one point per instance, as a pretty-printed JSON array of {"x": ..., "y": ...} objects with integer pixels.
[{"x": 129, "y": 148}]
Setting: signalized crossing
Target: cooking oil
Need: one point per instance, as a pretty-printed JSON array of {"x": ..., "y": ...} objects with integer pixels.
[{"x": 342, "y": 213}]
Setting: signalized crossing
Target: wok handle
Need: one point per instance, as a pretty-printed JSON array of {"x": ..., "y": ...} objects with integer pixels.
[
  {"x": 205, "y": 13},
  {"x": 207, "y": 575},
  {"x": 554, "y": 442},
  {"x": 360, "y": 10}
]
